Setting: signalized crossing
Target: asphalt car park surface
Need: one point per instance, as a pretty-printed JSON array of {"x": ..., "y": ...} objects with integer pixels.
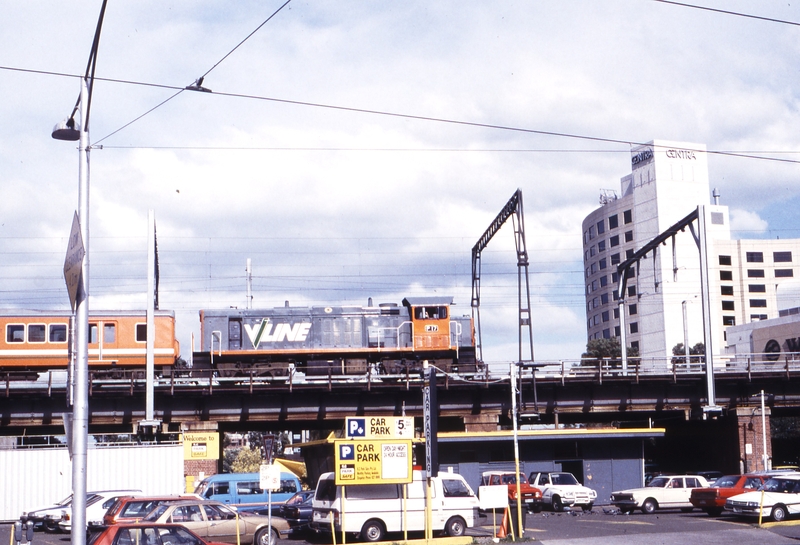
[{"x": 601, "y": 526}]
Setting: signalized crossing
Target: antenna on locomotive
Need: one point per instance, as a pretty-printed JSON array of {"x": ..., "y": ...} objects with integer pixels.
[{"x": 249, "y": 275}]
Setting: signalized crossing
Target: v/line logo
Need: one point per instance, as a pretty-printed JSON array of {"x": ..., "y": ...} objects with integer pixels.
[{"x": 268, "y": 332}]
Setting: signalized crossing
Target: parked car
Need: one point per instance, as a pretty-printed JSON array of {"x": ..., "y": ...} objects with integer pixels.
[
  {"x": 281, "y": 509},
  {"x": 712, "y": 499},
  {"x": 244, "y": 488},
  {"x": 96, "y": 508},
  {"x": 298, "y": 510},
  {"x": 710, "y": 476},
  {"x": 147, "y": 534},
  {"x": 778, "y": 498},
  {"x": 664, "y": 492},
  {"x": 220, "y": 522},
  {"x": 50, "y": 516},
  {"x": 561, "y": 489},
  {"x": 134, "y": 508},
  {"x": 531, "y": 496}
]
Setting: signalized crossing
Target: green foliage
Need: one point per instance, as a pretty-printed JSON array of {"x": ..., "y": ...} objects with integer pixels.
[
  {"x": 696, "y": 353},
  {"x": 605, "y": 348},
  {"x": 247, "y": 461}
]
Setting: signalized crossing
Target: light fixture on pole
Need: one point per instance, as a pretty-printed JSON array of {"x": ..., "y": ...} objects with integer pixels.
[{"x": 69, "y": 131}]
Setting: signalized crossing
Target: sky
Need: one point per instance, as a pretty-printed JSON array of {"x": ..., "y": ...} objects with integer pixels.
[{"x": 359, "y": 149}]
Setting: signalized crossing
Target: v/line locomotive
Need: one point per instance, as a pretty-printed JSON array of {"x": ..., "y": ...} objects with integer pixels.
[{"x": 390, "y": 339}]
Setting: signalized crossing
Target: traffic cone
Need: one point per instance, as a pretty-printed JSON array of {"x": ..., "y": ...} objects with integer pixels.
[{"x": 501, "y": 532}]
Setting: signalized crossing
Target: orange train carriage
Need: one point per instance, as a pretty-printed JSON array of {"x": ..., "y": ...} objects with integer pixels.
[{"x": 38, "y": 341}]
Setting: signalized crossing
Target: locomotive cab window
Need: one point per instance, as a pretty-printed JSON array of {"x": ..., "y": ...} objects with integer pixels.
[
  {"x": 58, "y": 333},
  {"x": 36, "y": 333},
  {"x": 15, "y": 333},
  {"x": 430, "y": 313}
]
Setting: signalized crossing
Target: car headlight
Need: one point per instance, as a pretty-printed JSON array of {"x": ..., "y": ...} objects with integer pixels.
[{"x": 754, "y": 504}]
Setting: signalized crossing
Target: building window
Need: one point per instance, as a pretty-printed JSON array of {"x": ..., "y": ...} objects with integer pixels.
[
  {"x": 605, "y": 316},
  {"x": 635, "y": 344},
  {"x": 627, "y": 216},
  {"x": 613, "y": 222},
  {"x": 616, "y": 316},
  {"x": 725, "y": 260},
  {"x": 596, "y": 319},
  {"x": 726, "y": 290},
  {"x": 635, "y": 327},
  {"x": 615, "y": 259},
  {"x": 616, "y": 331},
  {"x": 757, "y": 317},
  {"x": 757, "y": 288},
  {"x": 591, "y": 232},
  {"x": 594, "y": 285},
  {"x": 784, "y": 273},
  {"x": 592, "y": 251},
  {"x": 729, "y": 320},
  {"x": 728, "y": 305},
  {"x": 628, "y": 236},
  {"x": 631, "y": 291},
  {"x": 604, "y": 299},
  {"x": 755, "y": 257},
  {"x": 755, "y": 273},
  {"x": 758, "y": 303},
  {"x": 726, "y": 275},
  {"x": 601, "y": 227},
  {"x": 632, "y": 310},
  {"x": 603, "y": 263},
  {"x": 782, "y": 257},
  {"x": 614, "y": 241},
  {"x": 606, "y": 333},
  {"x": 603, "y": 281},
  {"x": 601, "y": 246},
  {"x": 628, "y": 254},
  {"x": 615, "y": 277},
  {"x": 593, "y": 268}
]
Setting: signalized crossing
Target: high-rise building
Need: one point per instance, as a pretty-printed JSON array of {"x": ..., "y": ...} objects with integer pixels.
[{"x": 662, "y": 301}]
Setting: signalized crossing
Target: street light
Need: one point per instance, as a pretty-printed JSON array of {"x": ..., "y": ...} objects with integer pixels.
[{"x": 67, "y": 130}]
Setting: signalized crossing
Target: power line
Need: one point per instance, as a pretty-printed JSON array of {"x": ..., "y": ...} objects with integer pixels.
[
  {"x": 385, "y": 113},
  {"x": 726, "y": 12}
]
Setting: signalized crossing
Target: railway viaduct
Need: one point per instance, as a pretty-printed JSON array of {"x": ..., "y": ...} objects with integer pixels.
[{"x": 594, "y": 400}]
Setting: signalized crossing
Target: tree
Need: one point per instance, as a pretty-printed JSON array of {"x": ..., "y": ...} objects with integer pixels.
[
  {"x": 606, "y": 348},
  {"x": 247, "y": 461},
  {"x": 698, "y": 351}
]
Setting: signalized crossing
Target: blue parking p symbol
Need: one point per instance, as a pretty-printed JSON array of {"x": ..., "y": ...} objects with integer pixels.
[{"x": 356, "y": 427}]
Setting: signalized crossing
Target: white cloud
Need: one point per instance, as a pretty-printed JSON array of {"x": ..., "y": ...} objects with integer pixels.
[{"x": 748, "y": 223}]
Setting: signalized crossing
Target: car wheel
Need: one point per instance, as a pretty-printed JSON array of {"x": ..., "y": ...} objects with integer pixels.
[
  {"x": 778, "y": 513},
  {"x": 50, "y": 526},
  {"x": 587, "y": 507},
  {"x": 557, "y": 505},
  {"x": 373, "y": 530},
  {"x": 649, "y": 506},
  {"x": 456, "y": 527},
  {"x": 266, "y": 536},
  {"x": 536, "y": 508},
  {"x": 714, "y": 511}
]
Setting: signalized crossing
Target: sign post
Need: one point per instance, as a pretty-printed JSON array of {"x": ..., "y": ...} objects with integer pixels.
[{"x": 269, "y": 479}]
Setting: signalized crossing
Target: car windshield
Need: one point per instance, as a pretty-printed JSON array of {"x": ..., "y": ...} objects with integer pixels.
[
  {"x": 728, "y": 481},
  {"x": 659, "y": 482},
  {"x": 563, "y": 478},
  {"x": 156, "y": 513},
  {"x": 787, "y": 486},
  {"x": 510, "y": 479}
]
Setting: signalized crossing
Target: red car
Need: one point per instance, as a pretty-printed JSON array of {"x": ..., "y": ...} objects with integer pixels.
[
  {"x": 147, "y": 534},
  {"x": 712, "y": 499}
]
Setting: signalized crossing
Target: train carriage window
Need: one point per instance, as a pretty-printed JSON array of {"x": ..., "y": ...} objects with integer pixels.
[
  {"x": 58, "y": 333},
  {"x": 93, "y": 334},
  {"x": 430, "y": 313},
  {"x": 109, "y": 333},
  {"x": 141, "y": 333},
  {"x": 36, "y": 333},
  {"x": 15, "y": 333}
]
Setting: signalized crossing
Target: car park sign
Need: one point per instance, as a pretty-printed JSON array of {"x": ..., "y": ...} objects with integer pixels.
[
  {"x": 379, "y": 427},
  {"x": 372, "y": 462}
]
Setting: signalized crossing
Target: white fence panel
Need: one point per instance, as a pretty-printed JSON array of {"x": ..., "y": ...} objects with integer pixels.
[{"x": 34, "y": 478}]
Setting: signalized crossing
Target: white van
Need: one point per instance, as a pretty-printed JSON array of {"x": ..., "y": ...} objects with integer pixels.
[{"x": 373, "y": 510}]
